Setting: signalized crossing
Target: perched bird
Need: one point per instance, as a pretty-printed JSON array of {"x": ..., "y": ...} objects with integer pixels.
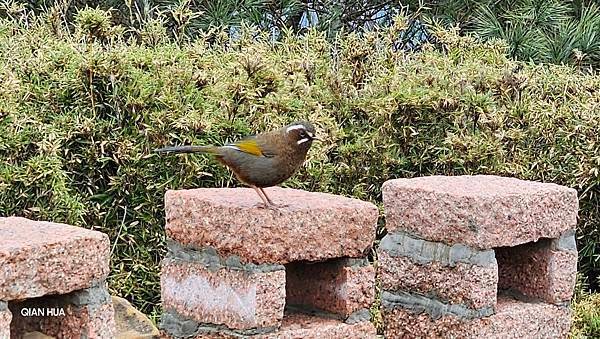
[{"x": 262, "y": 160}]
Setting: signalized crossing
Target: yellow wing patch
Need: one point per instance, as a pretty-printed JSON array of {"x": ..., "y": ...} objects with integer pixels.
[{"x": 249, "y": 146}]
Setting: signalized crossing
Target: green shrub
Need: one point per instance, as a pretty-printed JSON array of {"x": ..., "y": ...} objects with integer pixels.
[
  {"x": 79, "y": 118},
  {"x": 586, "y": 314}
]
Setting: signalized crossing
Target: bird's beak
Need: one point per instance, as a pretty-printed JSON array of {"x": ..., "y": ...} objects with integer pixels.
[{"x": 316, "y": 139}]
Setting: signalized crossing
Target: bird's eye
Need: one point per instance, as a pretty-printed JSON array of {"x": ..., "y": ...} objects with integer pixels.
[{"x": 302, "y": 134}]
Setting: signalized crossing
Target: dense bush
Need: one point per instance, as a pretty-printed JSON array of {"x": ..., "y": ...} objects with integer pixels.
[
  {"x": 549, "y": 31},
  {"x": 586, "y": 314},
  {"x": 80, "y": 114},
  {"x": 325, "y": 14},
  {"x": 194, "y": 18}
]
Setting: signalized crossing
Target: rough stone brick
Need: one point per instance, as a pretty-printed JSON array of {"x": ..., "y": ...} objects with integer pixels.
[
  {"x": 513, "y": 319},
  {"x": 40, "y": 258},
  {"x": 456, "y": 274},
  {"x": 471, "y": 285},
  {"x": 88, "y": 313},
  {"x": 232, "y": 297},
  {"x": 294, "y": 326},
  {"x": 341, "y": 286},
  {"x": 479, "y": 211},
  {"x": 545, "y": 270},
  {"x": 310, "y": 327},
  {"x": 312, "y": 226},
  {"x": 435, "y": 308},
  {"x": 174, "y": 325},
  {"x": 5, "y": 319}
]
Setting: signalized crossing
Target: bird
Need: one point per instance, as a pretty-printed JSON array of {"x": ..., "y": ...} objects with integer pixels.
[{"x": 261, "y": 160}]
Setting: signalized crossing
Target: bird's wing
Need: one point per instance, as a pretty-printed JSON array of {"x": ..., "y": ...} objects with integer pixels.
[{"x": 252, "y": 145}]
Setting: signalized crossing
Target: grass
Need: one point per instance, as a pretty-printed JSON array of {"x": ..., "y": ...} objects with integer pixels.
[{"x": 586, "y": 314}]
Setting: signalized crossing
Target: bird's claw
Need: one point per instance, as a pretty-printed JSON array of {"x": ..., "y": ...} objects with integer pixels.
[{"x": 271, "y": 206}]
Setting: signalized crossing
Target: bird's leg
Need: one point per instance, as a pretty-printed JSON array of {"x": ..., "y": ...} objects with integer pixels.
[
  {"x": 266, "y": 196},
  {"x": 269, "y": 200},
  {"x": 265, "y": 200}
]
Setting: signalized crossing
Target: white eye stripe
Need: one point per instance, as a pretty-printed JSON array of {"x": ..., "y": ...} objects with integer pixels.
[
  {"x": 301, "y": 141},
  {"x": 293, "y": 127}
]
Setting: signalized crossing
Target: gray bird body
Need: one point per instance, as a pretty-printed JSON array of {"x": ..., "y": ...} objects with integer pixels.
[{"x": 259, "y": 171}]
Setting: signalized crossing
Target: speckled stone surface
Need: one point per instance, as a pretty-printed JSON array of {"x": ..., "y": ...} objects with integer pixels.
[
  {"x": 5, "y": 318},
  {"x": 538, "y": 270},
  {"x": 335, "y": 286},
  {"x": 300, "y": 326},
  {"x": 85, "y": 321},
  {"x": 233, "y": 298},
  {"x": 513, "y": 319},
  {"x": 471, "y": 285},
  {"x": 313, "y": 226},
  {"x": 479, "y": 211},
  {"x": 39, "y": 258},
  {"x": 165, "y": 335}
]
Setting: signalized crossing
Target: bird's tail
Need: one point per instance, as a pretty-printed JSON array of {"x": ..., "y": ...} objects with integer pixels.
[{"x": 187, "y": 149}]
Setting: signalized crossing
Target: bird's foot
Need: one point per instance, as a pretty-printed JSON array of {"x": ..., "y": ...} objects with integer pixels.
[{"x": 271, "y": 206}]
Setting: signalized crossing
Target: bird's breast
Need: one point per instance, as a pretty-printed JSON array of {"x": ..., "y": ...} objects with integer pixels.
[{"x": 261, "y": 171}]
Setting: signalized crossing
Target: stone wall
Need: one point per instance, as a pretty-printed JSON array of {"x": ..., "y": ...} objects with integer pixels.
[
  {"x": 468, "y": 257},
  {"x": 235, "y": 268},
  {"x": 477, "y": 256},
  {"x": 463, "y": 257}
]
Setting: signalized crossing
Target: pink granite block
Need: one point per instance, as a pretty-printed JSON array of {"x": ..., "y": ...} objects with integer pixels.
[
  {"x": 81, "y": 314},
  {"x": 312, "y": 226},
  {"x": 301, "y": 326},
  {"x": 82, "y": 322},
  {"x": 538, "y": 270},
  {"x": 525, "y": 320},
  {"x": 479, "y": 211},
  {"x": 339, "y": 286},
  {"x": 471, "y": 285},
  {"x": 513, "y": 319},
  {"x": 39, "y": 258},
  {"x": 237, "y": 299},
  {"x": 212, "y": 335},
  {"x": 5, "y": 319}
]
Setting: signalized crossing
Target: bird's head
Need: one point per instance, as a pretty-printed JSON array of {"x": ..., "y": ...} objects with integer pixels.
[{"x": 301, "y": 134}]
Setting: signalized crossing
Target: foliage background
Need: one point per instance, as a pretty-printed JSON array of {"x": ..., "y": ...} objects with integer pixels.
[
  {"x": 82, "y": 107},
  {"x": 548, "y": 31}
]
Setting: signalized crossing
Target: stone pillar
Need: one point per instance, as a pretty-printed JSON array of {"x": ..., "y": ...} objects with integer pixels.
[
  {"x": 236, "y": 268},
  {"x": 52, "y": 280},
  {"x": 477, "y": 256}
]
